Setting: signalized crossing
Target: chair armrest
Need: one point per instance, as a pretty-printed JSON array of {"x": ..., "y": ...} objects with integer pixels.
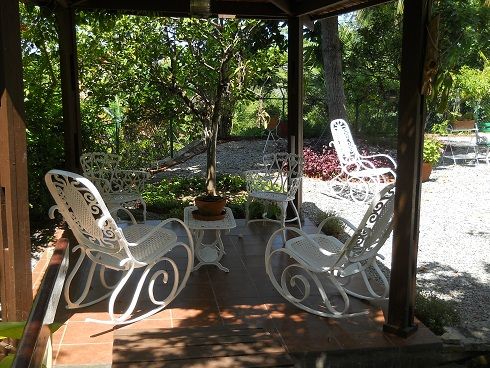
[
  {"x": 129, "y": 181},
  {"x": 338, "y": 218},
  {"x": 392, "y": 161},
  {"x": 161, "y": 225}
]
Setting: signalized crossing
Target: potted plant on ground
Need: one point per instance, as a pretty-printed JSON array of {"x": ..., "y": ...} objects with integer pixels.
[{"x": 430, "y": 156}]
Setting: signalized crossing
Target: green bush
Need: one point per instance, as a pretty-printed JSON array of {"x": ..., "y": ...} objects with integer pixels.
[
  {"x": 169, "y": 197},
  {"x": 435, "y": 313},
  {"x": 440, "y": 128},
  {"x": 333, "y": 227},
  {"x": 432, "y": 150}
]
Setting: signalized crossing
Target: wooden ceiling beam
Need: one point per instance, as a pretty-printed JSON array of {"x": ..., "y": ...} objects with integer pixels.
[
  {"x": 284, "y": 5},
  {"x": 248, "y": 9},
  {"x": 325, "y": 8},
  {"x": 173, "y": 7},
  {"x": 348, "y": 10}
]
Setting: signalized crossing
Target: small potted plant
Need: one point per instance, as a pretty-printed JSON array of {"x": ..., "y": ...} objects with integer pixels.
[{"x": 430, "y": 156}]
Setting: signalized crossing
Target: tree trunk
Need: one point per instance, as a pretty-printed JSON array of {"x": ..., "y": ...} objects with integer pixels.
[
  {"x": 211, "y": 159},
  {"x": 332, "y": 65}
]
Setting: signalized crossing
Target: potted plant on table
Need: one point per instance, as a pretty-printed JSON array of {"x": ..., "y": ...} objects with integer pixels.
[{"x": 430, "y": 156}]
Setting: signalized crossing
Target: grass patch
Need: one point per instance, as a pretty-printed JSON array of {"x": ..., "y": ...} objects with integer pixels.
[{"x": 435, "y": 313}]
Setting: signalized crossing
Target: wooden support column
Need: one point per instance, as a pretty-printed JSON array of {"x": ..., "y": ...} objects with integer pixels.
[
  {"x": 295, "y": 91},
  {"x": 15, "y": 245},
  {"x": 408, "y": 186},
  {"x": 65, "y": 19}
]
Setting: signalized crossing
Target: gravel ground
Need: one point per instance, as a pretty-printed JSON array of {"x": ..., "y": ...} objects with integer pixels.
[{"x": 453, "y": 258}]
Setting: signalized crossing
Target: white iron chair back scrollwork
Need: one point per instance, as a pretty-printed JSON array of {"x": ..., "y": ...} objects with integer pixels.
[
  {"x": 109, "y": 246},
  {"x": 117, "y": 187},
  {"x": 324, "y": 259},
  {"x": 277, "y": 183},
  {"x": 358, "y": 175}
]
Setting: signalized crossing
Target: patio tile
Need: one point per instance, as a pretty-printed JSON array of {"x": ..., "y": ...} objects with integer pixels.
[
  {"x": 243, "y": 297},
  {"x": 147, "y": 324},
  {"x": 87, "y": 332},
  {"x": 83, "y": 354}
]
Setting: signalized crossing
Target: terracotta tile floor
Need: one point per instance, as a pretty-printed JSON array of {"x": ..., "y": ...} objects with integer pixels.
[{"x": 245, "y": 297}]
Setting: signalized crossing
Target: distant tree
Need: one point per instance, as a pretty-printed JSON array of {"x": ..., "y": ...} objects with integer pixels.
[{"x": 332, "y": 62}]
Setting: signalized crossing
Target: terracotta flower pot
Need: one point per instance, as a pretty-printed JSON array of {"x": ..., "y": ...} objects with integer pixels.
[
  {"x": 210, "y": 205},
  {"x": 425, "y": 172}
]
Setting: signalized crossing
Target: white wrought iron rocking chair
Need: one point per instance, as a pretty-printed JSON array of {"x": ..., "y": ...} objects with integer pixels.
[
  {"x": 109, "y": 246},
  {"x": 277, "y": 183},
  {"x": 117, "y": 187},
  {"x": 328, "y": 262},
  {"x": 362, "y": 178}
]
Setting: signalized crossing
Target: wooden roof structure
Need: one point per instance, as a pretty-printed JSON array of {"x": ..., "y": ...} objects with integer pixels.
[
  {"x": 258, "y": 9},
  {"x": 15, "y": 284}
]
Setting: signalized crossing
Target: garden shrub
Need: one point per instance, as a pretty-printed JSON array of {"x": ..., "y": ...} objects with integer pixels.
[
  {"x": 434, "y": 312},
  {"x": 333, "y": 227},
  {"x": 169, "y": 197}
]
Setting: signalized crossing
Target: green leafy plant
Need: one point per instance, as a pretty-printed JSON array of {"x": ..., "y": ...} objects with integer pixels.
[
  {"x": 435, "y": 313},
  {"x": 440, "y": 128},
  {"x": 432, "y": 150},
  {"x": 333, "y": 226},
  {"x": 14, "y": 330}
]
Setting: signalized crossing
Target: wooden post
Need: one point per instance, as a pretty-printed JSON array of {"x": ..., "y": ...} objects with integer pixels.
[
  {"x": 295, "y": 92},
  {"x": 65, "y": 19},
  {"x": 15, "y": 245},
  {"x": 408, "y": 185}
]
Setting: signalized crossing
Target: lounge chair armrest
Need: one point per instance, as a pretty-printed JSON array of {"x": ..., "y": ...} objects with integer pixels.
[
  {"x": 125, "y": 210},
  {"x": 163, "y": 224},
  {"x": 392, "y": 161},
  {"x": 338, "y": 218}
]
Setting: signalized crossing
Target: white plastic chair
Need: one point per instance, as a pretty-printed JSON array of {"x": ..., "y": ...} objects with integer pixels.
[
  {"x": 277, "y": 183},
  {"x": 357, "y": 174},
  {"x": 108, "y": 246},
  {"x": 117, "y": 187},
  {"x": 328, "y": 262}
]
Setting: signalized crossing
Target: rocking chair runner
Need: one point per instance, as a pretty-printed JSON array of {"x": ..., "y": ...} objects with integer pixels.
[
  {"x": 108, "y": 246},
  {"x": 362, "y": 178},
  {"x": 117, "y": 187},
  {"x": 324, "y": 259}
]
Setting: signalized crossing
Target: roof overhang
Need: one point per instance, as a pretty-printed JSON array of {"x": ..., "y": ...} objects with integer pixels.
[{"x": 260, "y": 9}]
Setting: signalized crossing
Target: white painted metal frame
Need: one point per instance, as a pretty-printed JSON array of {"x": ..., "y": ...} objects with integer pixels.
[
  {"x": 467, "y": 142},
  {"x": 328, "y": 262},
  {"x": 103, "y": 243},
  {"x": 117, "y": 187},
  {"x": 276, "y": 184},
  {"x": 358, "y": 175},
  {"x": 272, "y": 130},
  {"x": 482, "y": 144},
  {"x": 209, "y": 254}
]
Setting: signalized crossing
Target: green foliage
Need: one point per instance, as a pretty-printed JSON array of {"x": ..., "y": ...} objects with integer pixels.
[
  {"x": 432, "y": 150},
  {"x": 333, "y": 226},
  {"x": 169, "y": 197},
  {"x": 14, "y": 330},
  {"x": 435, "y": 313},
  {"x": 440, "y": 128}
]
